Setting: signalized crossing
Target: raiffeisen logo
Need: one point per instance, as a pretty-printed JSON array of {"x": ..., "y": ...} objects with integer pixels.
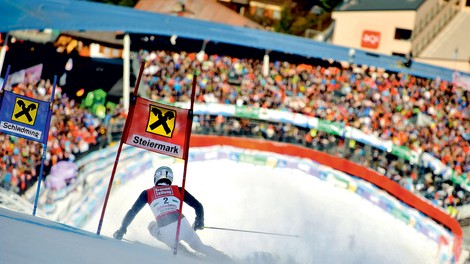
[
  {"x": 161, "y": 121},
  {"x": 370, "y": 39},
  {"x": 25, "y": 111}
]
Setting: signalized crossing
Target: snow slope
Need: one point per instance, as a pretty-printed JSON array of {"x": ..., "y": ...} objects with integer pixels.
[{"x": 26, "y": 239}]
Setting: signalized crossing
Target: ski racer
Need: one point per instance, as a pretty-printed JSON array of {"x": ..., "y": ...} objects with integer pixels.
[{"x": 164, "y": 200}]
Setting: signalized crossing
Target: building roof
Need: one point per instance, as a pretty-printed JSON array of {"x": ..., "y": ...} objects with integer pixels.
[
  {"x": 208, "y": 10},
  {"x": 89, "y": 16},
  {"x": 380, "y": 5}
]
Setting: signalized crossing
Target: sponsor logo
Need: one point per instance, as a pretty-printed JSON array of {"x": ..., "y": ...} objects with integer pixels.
[
  {"x": 163, "y": 191},
  {"x": 25, "y": 111},
  {"x": 370, "y": 39},
  {"x": 161, "y": 121}
]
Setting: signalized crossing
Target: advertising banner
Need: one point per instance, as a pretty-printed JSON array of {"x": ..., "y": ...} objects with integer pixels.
[
  {"x": 24, "y": 117},
  {"x": 158, "y": 127},
  {"x": 370, "y": 39}
]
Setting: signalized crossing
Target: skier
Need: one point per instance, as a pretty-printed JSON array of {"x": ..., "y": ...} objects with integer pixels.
[{"x": 164, "y": 200}]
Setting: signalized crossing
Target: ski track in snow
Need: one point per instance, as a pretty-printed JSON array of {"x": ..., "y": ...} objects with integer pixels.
[{"x": 334, "y": 225}]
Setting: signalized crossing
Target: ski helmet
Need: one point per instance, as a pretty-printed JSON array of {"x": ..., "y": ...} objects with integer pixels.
[{"x": 163, "y": 174}]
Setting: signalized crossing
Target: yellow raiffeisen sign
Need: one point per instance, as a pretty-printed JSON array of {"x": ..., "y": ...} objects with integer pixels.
[
  {"x": 25, "y": 111},
  {"x": 161, "y": 121}
]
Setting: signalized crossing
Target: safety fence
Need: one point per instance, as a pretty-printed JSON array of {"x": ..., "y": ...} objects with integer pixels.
[{"x": 420, "y": 158}]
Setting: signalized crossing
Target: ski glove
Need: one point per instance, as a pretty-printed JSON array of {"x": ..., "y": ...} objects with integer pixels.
[
  {"x": 119, "y": 233},
  {"x": 198, "y": 224}
]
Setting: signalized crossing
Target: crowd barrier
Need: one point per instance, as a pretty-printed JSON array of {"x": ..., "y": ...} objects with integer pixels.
[{"x": 424, "y": 159}]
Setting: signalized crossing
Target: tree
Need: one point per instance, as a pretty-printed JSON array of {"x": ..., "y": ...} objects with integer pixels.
[
  {"x": 330, "y": 5},
  {"x": 299, "y": 25},
  {"x": 283, "y": 25},
  {"x": 294, "y": 21}
]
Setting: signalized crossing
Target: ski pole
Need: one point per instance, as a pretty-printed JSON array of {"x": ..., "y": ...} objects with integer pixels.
[{"x": 249, "y": 231}]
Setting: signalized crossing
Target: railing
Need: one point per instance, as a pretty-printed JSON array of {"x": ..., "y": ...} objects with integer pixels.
[{"x": 417, "y": 158}]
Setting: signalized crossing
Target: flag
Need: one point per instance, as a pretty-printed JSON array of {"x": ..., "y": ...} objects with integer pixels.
[
  {"x": 24, "y": 117},
  {"x": 28, "y": 75},
  {"x": 158, "y": 127},
  {"x": 33, "y": 74}
]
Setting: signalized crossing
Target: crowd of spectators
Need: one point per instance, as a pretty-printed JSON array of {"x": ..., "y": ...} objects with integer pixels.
[
  {"x": 74, "y": 131},
  {"x": 379, "y": 103}
]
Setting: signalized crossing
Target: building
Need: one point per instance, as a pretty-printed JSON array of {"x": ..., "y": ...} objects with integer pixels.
[
  {"x": 208, "y": 10},
  {"x": 407, "y": 28}
]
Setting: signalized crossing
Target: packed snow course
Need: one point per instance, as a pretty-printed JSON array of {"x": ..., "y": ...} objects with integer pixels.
[{"x": 338, "y": 218}]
